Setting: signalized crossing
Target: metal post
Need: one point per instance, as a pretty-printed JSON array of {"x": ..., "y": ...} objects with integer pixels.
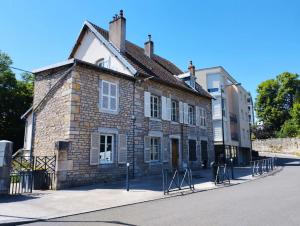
[
  {"x": 232, "y": 173},
  {"x": 127, "y": 176},
  {"x": 222, "y": 115}
]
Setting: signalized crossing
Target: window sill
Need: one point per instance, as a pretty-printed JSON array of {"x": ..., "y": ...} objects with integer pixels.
[
  {"x": 116, "y": 112},
  {"x": 156, "y": 162},
  {"x": 155, "y": 119},
  {"x": 175, "y": 123}
]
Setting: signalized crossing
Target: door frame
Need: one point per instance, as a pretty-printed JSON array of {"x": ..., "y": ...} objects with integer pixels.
[{"x": 177, "y": 137}]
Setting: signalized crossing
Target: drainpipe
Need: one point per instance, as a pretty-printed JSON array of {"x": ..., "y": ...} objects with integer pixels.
[
  {"x": 32, "y": 134},
  {"x": 133, "y": 129}
]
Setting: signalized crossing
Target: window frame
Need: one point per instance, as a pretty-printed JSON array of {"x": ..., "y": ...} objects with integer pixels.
[
  {"x": 158, "y": 146},
  {"x": 109, "y": 96},
  {"x": 175, "y": 112},
  {"x": 203, "y": 121},
  {"x": 152, "y": 104},
  {"x": 191, "y": 120},
  {"x": 101, "y": 162}
]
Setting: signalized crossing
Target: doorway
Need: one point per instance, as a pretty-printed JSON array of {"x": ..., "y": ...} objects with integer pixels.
[
  {"x": 175, "y": 153},
  {"x": 204, "y": 154}
]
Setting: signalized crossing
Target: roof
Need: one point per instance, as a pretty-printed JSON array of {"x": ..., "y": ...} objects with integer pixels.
[{"x": 155, "y": 66}]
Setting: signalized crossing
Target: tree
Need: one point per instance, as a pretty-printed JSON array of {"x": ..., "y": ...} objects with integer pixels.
[
  {"x": 275, "y": 100},
  {"x": 16, "y": 98}
]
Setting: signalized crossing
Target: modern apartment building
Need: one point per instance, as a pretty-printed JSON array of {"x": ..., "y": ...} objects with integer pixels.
[{"x": 230, "y": 114}]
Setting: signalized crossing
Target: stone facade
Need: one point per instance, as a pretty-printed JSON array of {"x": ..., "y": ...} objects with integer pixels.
[
  {"x": 277, "y": 145},
  {"x": 71, "y": 112}
]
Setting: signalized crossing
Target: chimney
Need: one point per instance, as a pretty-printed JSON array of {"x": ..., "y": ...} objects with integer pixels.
[
  {"x": 149, "y": 46},
  {"x": 192, "y": 68},
  {"x": 117, "y": 31}
]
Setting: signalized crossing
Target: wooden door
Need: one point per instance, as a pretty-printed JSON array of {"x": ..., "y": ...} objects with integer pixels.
[{"x": 175, "y": 153}]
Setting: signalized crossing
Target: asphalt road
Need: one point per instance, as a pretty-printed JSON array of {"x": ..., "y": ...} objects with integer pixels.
[{"x": 273, "y": 200}]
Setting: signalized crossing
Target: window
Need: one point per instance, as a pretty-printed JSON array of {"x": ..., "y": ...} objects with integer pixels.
[
  {"x": 192, "y": 150},
  {"x": 106, "y": 148},
  {"x": 100, "y": 62},
  {"x": 202, "y": 117},
  {"x": 223, "y": 107},
  {"x": 155, "y": 106},
  {"x": 109, "y": 96},
  {"x": 191, "y": 114},
  {"x": 212, "y": 90},
  {"x": 175, "y": 111},
  {"x": 154, "y": 148}
]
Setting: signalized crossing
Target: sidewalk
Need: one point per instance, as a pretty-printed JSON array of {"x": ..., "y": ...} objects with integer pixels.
[{"x": 41, "y": 205}]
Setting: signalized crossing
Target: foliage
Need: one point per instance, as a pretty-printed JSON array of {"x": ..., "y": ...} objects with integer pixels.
[
  {"x": 291, "y": 127},
  {"x": 262, "y": 131},
  {"x": 274, "y": 104},
  {"x": 16, "y": 98}
]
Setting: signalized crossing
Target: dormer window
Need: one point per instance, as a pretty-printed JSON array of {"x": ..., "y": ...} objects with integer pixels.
[{"x": 100, "y": 62}]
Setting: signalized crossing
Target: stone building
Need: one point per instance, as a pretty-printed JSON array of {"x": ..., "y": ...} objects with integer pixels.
[{"x": 113, "y": 102}]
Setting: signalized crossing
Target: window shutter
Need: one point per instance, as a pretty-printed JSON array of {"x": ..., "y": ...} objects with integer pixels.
[
  {"x": 186, "y": 113},
  {"x": 164, "y": 108},
  {"x": 147, "y": 104},
  {"x": 122, "y": 146},
  {"x": 95, "y": 149},
  {"x": 147, "y": 141},
  {"x": 198, "y": 114},
  {"x": 181, "y": 111},
  {"x": 99, "y": 94},
  {"x": 169, "y": 108},
  {"x": 165, "y": 149}
]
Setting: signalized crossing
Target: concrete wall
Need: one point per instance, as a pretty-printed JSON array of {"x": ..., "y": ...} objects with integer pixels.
[{"x": 278, "y": 145}]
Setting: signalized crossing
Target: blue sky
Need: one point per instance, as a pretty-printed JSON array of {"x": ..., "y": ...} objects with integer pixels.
[{"x": 253, "y": 40}]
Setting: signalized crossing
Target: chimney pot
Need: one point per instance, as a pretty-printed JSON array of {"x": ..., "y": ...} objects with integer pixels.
[
  {"x": 191, "y": 68},
  {"x": 149, "y": 47},
  {"x": 117, "y": 31}
]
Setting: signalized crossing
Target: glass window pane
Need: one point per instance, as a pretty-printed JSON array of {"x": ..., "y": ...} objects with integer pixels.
[
  {"x": 102, "y": 139},
  {"x": 105, "y": 88},
  {"x": 113, "y": 103},
  {"x": 113, "y": 90},
  {"x": 105, "y": 102}
]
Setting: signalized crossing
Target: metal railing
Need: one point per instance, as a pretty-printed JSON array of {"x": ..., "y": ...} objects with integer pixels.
[
  {"x": 222, "y": 174},
  {"x": 262, "y": 166},
  {"x": 174, "y": 180}
]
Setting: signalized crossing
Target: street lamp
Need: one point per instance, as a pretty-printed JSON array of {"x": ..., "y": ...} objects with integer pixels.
[{"x": 222, "y": 115}]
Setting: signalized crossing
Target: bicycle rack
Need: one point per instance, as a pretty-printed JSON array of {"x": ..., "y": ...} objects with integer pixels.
[{"x": 179, "y": 180}]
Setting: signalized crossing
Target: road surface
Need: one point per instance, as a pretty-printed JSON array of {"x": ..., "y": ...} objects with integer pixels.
[{"x": 273, "y": 200}]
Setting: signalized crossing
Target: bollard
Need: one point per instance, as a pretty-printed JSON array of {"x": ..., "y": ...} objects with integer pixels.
[
  {"x": 127, "y": 176},
  {"x": 232, "y": 173}
]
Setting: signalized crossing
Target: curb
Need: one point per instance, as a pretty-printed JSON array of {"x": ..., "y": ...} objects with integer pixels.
[{"x": 178, "y": 194}]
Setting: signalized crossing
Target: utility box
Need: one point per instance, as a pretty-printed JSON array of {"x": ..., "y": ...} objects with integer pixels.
[{"x": 6, "y": 148}]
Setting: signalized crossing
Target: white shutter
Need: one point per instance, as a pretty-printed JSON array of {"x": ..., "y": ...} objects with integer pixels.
[
  {"x": 163, "y": 108},
  {"x": 181, "y": 112},
  {"x": 122, "y": 146},
  {"x": 147, "y": 104},
  {"x": 198, "y": 113},
  {"x": 165, "y": 149},
  {"x": 95, "y": 149},
  {"x": 186, "y": 113},
  {"x": 147, "y": 141},
  {"x": 169, "y": 109}
]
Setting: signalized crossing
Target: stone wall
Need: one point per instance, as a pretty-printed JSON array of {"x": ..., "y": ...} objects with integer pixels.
[
  {"x": 278, "y": 145},
  {"x": 72, "y": 113},
  {"x": 52, "y": 118}
]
